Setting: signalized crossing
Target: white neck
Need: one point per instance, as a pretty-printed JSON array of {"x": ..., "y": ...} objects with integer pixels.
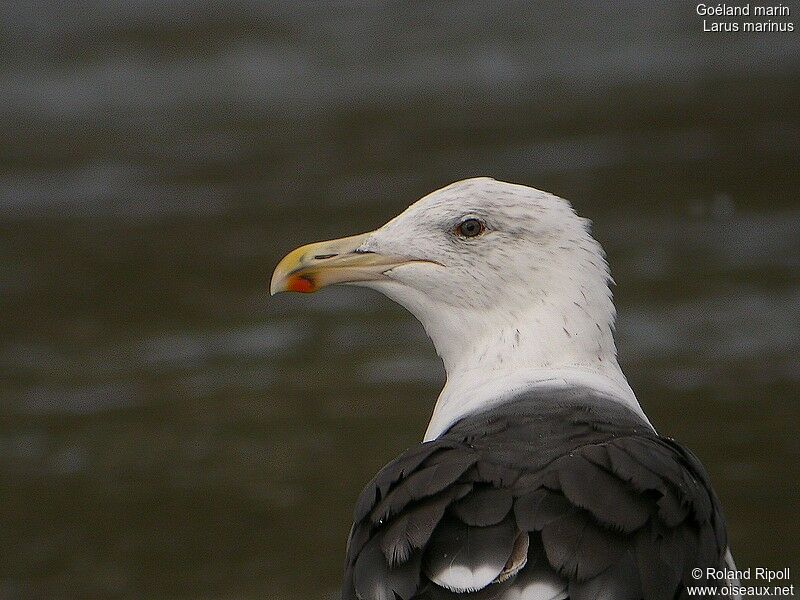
[
  {"x": 491, "y": 357},
  {"x": 552, "y": 344}
]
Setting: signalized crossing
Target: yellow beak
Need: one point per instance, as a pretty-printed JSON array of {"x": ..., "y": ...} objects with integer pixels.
[{"x": 312, "y": 267}]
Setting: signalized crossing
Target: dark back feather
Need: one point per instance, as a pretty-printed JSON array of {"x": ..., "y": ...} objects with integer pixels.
[{"x": 605, "y": 507}]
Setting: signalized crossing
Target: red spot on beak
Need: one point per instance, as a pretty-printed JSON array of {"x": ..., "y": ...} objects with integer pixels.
[{"x": 302, "y": 284}]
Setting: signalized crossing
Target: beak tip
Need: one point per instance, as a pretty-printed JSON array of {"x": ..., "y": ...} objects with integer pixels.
[
  {"x": 303, "y": 270},
  {"x": 275, "y": 287},
  {"x": 278, "y": 282}
]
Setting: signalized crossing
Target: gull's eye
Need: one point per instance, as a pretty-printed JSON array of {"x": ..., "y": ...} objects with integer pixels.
[{"x": 470, "y": 228}]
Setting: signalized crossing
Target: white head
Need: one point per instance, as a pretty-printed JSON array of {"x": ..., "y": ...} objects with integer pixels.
[{"x": 506, "y": 279}]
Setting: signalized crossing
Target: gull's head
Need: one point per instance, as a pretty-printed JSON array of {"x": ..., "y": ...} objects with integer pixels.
[{"x": 487, "y": 267}]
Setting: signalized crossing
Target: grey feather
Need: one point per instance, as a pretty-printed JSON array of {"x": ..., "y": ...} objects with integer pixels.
[
  {"x": 412, "y": 529},
  {"x": 463, "y": 558},
  {"x": 374, "y": 579},
  {"x": 484, "y": 506},
  {"x": 605, "y": 496}
]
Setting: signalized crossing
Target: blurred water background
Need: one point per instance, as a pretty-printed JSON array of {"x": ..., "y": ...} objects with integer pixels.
[{"x": 167, "y": 430}]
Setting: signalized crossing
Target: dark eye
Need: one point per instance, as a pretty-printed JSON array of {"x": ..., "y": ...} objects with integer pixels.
[{"x": 470, "y": 228}]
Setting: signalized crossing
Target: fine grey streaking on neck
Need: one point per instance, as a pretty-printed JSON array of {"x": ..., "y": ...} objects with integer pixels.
[{"x": 481, "y": 391}]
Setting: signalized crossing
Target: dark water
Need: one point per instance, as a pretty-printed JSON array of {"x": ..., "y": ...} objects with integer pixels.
[{"x": 167, "y": 430}]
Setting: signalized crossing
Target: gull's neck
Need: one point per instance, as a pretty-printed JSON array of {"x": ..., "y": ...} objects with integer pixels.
[{"x": 548, "y": 345}]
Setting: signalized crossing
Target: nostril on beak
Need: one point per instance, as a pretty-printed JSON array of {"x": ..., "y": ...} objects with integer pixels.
[{"x": 324, "y": 256}]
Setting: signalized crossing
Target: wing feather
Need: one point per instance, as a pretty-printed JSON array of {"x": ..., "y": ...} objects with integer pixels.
[{"x": 528, "y": 506}]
